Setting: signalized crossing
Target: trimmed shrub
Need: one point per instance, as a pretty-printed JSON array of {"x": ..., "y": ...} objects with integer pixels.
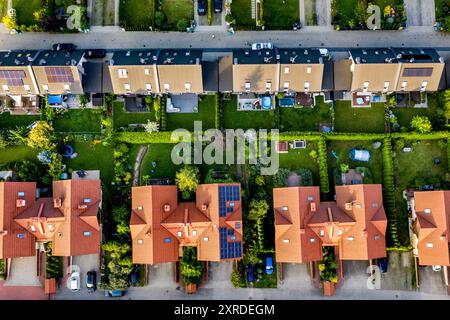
[
  {"x": 163, "y": 101},
  {"x": 323, "y": 165}
]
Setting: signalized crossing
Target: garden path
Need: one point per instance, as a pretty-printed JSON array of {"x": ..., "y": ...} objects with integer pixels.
[{"x": 137, "y": 165}]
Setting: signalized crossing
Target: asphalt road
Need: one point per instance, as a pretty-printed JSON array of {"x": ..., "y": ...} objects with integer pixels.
[{"x": 307, "y": 37}]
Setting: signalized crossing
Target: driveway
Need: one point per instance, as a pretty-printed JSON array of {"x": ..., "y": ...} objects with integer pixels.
[
  {"x": 401, "y": 273},
  {"x": 161, "y": 276},
  {"x": 297, "y": 277},
  {"x": 23, "y": 272},
  {"x": 420, "y": 12},
  {"x": 323, "y": 11},
  {"x": 21, "y": 292},
  {"x": 219, "y": 275},
  {"x": 431, "y": 281}
]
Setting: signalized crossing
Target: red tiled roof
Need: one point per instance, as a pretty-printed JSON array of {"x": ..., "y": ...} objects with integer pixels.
[
  {"x": 356, "y": 223},
  {"x": 160, "y": 225},
  {"x": 69, "y": 219},
  {"x": 432, "y": 226}
]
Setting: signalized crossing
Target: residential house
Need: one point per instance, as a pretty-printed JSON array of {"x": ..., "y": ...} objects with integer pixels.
[
  {"x": 355, "y": 224},
  {"x": 59, "y": 72},
  {"x": 68, "y": 219},
  {"x": 161, "y": 226},
  {"x": 255, "y": 71},
  {"x": 431, "y": 216},
  {"x": 387, "y": 70},
  {"x": 134, "y": 72},
  {"x": 18, "y": 87},
  {"x": 180, "y": 71}
]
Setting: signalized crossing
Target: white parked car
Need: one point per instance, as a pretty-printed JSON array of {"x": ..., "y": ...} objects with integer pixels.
[
  {"x": 262, "y": 45},
  {"x": 74, "y": 281},
  {"x": 437, "y": 268}
]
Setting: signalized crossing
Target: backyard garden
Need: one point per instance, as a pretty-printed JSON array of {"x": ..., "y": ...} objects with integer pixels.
[
  {"x": 442, "y": 15},
  {"x": 352, "y": 14},
  {"x": 349, "y": 119}
]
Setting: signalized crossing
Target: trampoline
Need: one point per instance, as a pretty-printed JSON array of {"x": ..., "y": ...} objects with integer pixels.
[
  {"x": 67, "y": 151},
  {"x": 359, "y": 155},
  {"x": 266, "y": 102}
]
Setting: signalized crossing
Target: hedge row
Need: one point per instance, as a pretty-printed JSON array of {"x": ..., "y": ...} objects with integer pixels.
[
  {"x": 145, "y": 137},
  {"x": 163, "y": 101},
  {"x": 218, "y": 111},
  {"x": 448, "y": 155},
  {"x": 389, "y": 191},
  {"x": 323, "y": 165}
]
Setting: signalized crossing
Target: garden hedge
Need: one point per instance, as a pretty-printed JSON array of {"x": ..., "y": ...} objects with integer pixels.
[
  {"x": 323, "y": 165},
  {"x": 163, "y": 113},
  {"x": 218, "y": 112}
]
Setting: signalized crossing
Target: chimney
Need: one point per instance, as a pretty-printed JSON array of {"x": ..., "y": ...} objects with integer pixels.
[
  {"x": 57, "y": 202},
  {"x": 312, "y": 206},
  {"x": 348, "y": 206},
  {"x": 21, "y": 203}
]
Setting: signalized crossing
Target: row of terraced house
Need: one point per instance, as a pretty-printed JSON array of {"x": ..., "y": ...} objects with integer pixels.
[{"x": 360, "y": 75}]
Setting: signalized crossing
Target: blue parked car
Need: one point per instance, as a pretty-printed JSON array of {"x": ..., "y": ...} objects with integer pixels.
[
  {"x": 383, "y": 265},
  {"x": 269, "y": 265},
  {"x": 114, "y": 293},
  {"x": 250, "y": 274}
]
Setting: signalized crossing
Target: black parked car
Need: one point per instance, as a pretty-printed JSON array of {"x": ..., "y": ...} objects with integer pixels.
[
  {"x": 95, "y": 54},
  {"x": 64, "y": 46},
  {"x": 202, "y": 7},
  {"x": 134, "y": 277},
  {"x": 217, "y": 6},
  {"x": 91, "y": 281},
  {"x": 383, "y": 265}
]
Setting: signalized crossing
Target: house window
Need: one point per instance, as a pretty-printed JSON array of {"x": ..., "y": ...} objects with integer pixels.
[
  {"x": 127, "y": 87},
  {"x": 310, "y": 198},
  {"x": 233, "y": 238},
  {"x": 5, "y": 88},
  {"x": 194, "y": 232},
  {"x": 21, "y": 194},
  {"x": 147, "y": 72},
  {"x": 386, "y": 86},
  {"x": 308, "y": 70},
  {"x": 427, "y": 211},
  {"x": 365, "y": 86},
  {"x": 322, "y": 232},
  {"x": 148, "y": 86},
  {"x": 87, "y": 200},
  {"x": 417, "y": 72},
  {"x": 167, "y": 240},
  {"x": 286, "y": 86},
  {"x": 187, "y": 87},
  {"x": 205, "y": 239},
  {"x": 307, "y": 85},
  {"x": 21, "y": 235},
  {"x": 87, "y": 233},
  {"x": 140, "y": 241},
  {"x": 33, "y": 228},
  {"x": 351, "y": 238},
  {"x": 375, "y": 205},
  {"x": 404, "y": 83},
  {"x": 268, "y": 86},
  {"x": 424, "y": 86},
  {"x": 180, "y": 234},
  {"x": 45, "y": 86},
  {"x": 247, "y": 86},
  {"x": 312, "y": 240},
  {"x": 430, "y": 245},
  {"x": 166, "y": 87},
  {"x": 339, "y": 232},
  {"x": 286, "y": 70},
  {"x": 377, "y": 237},
  {"x": 286, "y": 240},
  {"x": 27, "y": 88},
  {"x": 123, "y": 73},
  {"x": 66, "y": 87},
  {"x": 237, "y": 225},
  {"x": 50, "y": 227}
]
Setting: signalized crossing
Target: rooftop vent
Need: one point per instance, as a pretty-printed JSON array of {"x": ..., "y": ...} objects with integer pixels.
[
  {"x": 128, "y": 53},
  {"x": 292, "y": 59},
  {"x": 364, "y": 51},
  {"x": 17, "y": 62},
  {"x": 305, "y": 52},
  {"x": 188, "y": 53},
  {"x": 21, "y": 203},
  {"x": 267, "y": 59},
  {"x": 312, "y": 206},
  {"x": 204, "y": 207},
  {"x": 42, "y": 62},
  {"x": 166, "y": 207},
  {"x": 284, "y": 208},
  {"x": 358, "y": 60},
  {"x": 246, "y": 52}
]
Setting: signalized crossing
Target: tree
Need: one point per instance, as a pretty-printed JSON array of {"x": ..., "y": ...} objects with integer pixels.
[
  {"x": 3, "y": 142},
  {"x": 190, "y": 268},
  {"x": 421, "y": 124},
  {"x": 344, "y": 168},
  {"x": 10, "y": 21},
  {"x": 151, "y": 126},
  {"x": 120, "y": 214},
  {"x": 18, "y": 135},
  {"x": 55, "y": 166},
  {"x": 160, "y": 18},
  {"x": 182, "y": 25},
  {"x": 123, "y": 228},
  {"x": 42, "y": 136},
  {"x": 187, "y": 180},
  {"x": 258, "y": 209}
]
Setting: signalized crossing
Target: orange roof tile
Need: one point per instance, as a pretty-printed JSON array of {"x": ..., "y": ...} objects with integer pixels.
[
  {"x": 356, "y": 223},
  {"x": 69, "y": 219},
  {"x": 160, "y": 225},
  {"x": 431, "y": 226}
]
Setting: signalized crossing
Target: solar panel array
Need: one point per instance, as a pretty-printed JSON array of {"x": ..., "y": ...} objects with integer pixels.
[
  {"x": 13, "y": 78},
  {"x": 228, "y": 193},
  {"x": 59, "y": 75},
  {"x": 229, "y": 250}
]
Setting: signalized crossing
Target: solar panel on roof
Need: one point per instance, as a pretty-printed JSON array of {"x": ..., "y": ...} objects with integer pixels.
[
  {"x": 229, "y": 250},
  {"x": 59, "y": 75},
  {"x": 228, "y": 194},
  {"x": 13, "y": 78}
]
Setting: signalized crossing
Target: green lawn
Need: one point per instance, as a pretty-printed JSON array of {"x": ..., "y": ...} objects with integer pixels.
[
  {"x": 417, "y": 164},
  {"x": 25, "y": 10},
  {"x": 122, "y": 118},
  {"x": 305, "y": 119},
  {"x": 205, "y": 114},
  {"x": 281, "y": 15},
  {"x": 176, "y": 10},
  {"x": 405, "y": 115},
  {"x": 439, "y": 4},
  {"x": 161, "y": 155},
  {"x": 3, "y": 8},
  {"x": 348, "y": 119},
  {"x": 137, "y": 14},
  {"x": 300, "y": 159},
  {"x": 91, "y": 157},
  {"x": 9, "y": 121},
  {"x": 342, "y": 149},
  {"x": 234, "y": 119},
  {"x": 242, "y": 12},
  {"x": 79, "y": 120},
  {"x": 15, "y": 153}
]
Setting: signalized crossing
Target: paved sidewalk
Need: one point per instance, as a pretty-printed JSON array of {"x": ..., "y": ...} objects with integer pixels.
[{"x": 420, "y": 12}]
